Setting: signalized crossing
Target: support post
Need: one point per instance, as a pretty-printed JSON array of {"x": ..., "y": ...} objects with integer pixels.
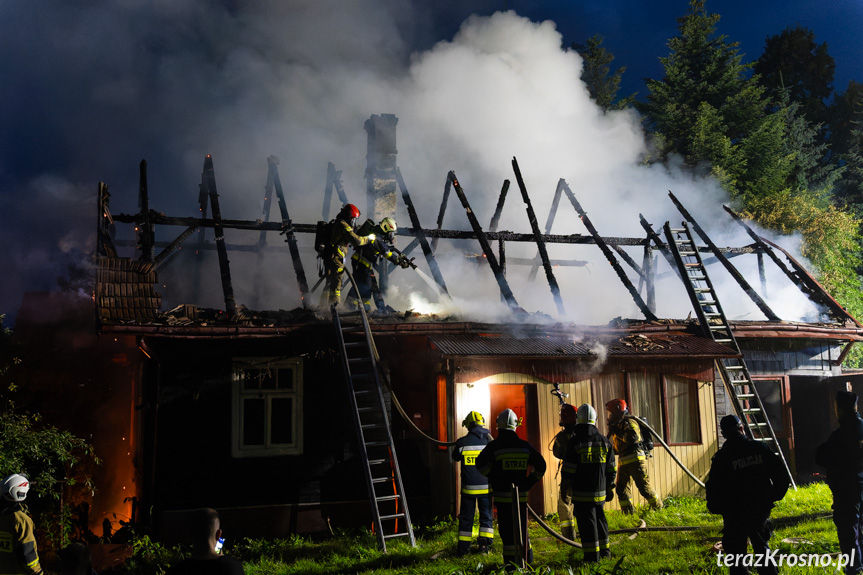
[
  {"x": 209, "y": 184},
  {"x": 762, "y": 305},
  {"x": 441, "y": 212},
  {"x": 501, "y": 199},
  {"x": 505, "y": 291},
  {"x": 540, "y": 243},
  {"x": 290, "y": 238},
  {"x": 420, "y": 233},
  {"x": 552, "y": 213},
  {"x": 609, "y": 255},
  {"x": 147, "y": 233}
]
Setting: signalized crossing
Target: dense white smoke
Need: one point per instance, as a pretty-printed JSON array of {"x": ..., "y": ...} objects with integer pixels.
[{"x": 108, "y": 84}]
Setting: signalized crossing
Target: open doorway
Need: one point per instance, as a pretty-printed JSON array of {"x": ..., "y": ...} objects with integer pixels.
[{"x": 523, "y": 401}]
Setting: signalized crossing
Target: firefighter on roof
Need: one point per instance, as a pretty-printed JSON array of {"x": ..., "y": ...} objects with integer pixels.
[
  {"x": 18, "y": 552},
  {"x": 507, "y": 461},
  {"x": 625, "y": 435},
  {"x": 475, "y": 492},
  {"x": 564, "y": 501},
  {"x": 746, "y": 478},
  {"x": 588, "y": 471},
  {"x": 368, "y": 257},
  {"x": 340, "y": 234},
  {"x": 842, "y": 456}
]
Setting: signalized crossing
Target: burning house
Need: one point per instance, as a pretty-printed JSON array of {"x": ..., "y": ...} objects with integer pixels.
[{"x": 259, "y": 411}]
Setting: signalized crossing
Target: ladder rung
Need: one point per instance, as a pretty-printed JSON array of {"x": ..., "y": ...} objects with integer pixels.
[
  {"x": 745, "y": 395},
  {"x": 366, "y": 408},
  {"x": 763, "y": 438},
  {"x": 405, "y": 534},
  {"x": 373, "y": 426},
  {"x": 363, "y": 391},
  {"x": 378, "y": 461},
  {"x": 751, "y": 410},
  {"x": 388, "y": 498},
  {"x": 734, "y": 367},
  {"x": 356, "y": 359},
  {"x": 377, "y": 443},
  {"x": 354, "y": 343},
  {"x": 396, "y": 516}
]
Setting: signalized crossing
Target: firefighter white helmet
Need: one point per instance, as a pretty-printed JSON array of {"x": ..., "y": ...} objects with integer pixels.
[
  {"x": 388, "y": 225},
  {"x": 507, "y": 419},
  {"x": 15, "y": 488},
  {"x": 586, "y": 414}
]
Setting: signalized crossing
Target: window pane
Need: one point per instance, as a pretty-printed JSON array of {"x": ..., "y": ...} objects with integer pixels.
[
  {"x": 607, "y": 387},
  {"x": 646, "y": 399},
  {"x": 253, "y": 421},
  {"x": 282, "y": 421},
  {"x": 682, "y": 410},
  {"x": 286, "y": 378}
]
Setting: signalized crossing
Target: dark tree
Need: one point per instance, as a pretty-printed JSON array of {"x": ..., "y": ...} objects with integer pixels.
[
  {"x": 602, "y": 83},
  {"x": 707, "y": 100},
  {"x": 846, "y": 139},
  {"x": 793, "y": 60}
]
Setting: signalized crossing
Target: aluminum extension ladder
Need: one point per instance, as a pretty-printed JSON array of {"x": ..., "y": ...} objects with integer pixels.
[
  {"x": 374, "y": 437},
  {"x": 734, "y": 373}
]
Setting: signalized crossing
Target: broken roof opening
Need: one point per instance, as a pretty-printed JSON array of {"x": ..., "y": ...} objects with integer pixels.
[{"x": 498, "y": 283}]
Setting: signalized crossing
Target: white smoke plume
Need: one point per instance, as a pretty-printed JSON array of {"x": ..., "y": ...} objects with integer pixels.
[{"x": 106, "y": 84}]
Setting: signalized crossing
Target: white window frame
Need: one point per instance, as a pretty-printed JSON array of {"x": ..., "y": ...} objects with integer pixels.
[{"x": 237, "y": 414}]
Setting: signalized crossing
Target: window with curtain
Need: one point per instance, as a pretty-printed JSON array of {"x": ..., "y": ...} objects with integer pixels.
[
  {"x": 605, "y": 388},
  {"x": 267, "y": 401},
  {"x": 646, "y": 399},
  {"x": 682, "y": 395}
]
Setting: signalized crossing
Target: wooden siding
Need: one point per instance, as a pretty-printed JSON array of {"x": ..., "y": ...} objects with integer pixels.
[{"x": 666, "y": 475}]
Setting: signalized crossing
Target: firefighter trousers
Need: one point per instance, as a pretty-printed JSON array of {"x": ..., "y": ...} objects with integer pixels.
[
  {"x": 635, "y": 472},
  {"x": 593, "y": 529},
  {"x": 368, "y": 284},
  {"x": 334, "y": 270},
  {"x": 848, "y": 518},
  {"x": 467, "y": 509},
  {"x": 564, "y": 511},
  {"x": 754, "y": 526},
  {"x": 507, "y": 534}
]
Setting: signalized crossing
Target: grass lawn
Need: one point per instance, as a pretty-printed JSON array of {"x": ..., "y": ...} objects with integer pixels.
[{"x": 800, "y": 528}]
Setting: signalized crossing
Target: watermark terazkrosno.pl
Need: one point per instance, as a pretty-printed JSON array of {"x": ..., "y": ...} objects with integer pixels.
[{"x": 775, "y": 559}]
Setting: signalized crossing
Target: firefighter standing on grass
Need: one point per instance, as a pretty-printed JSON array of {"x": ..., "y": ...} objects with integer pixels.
[
  {"x": 508, "y": 460},
  {"x": 746, "y": 478},
  {"x": 625, "y": 435},
  {"x": 564, "y": 501},
  {"x": 18, "y": 553},
  {"x": 341, "y": 233},
  {"x": 842, "y": 455},
  {"x": 366, "y": 259},
  {"x": 589, "y": 471},
  {"x": 475, "y": 492}
]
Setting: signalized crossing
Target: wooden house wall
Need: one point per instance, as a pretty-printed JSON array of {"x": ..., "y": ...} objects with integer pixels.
[{"x": 667, "y": 477}]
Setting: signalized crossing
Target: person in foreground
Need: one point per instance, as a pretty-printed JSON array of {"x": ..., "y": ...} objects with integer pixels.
[
  {"x": 18, "y": 553},
  {"x": 204, "y": 534},
  {"x": 746, "y": 479}
]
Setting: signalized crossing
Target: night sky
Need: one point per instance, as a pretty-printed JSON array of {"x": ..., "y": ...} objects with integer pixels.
[{"x": 89, "y": 89}]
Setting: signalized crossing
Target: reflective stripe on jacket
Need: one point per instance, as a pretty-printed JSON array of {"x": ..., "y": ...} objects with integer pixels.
[
  {"x": 18, "y": 552},
  {"x": 588, "y": 465},
  {"x": 466, "y": 450},
  {"x": 626, "y": 438},
  {"x": 505, "y": 461}
]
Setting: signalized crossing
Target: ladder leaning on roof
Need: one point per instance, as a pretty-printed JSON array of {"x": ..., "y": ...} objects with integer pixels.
[
  {"x": 374, "y": 437},
  {"x": 734, "y": 373}
]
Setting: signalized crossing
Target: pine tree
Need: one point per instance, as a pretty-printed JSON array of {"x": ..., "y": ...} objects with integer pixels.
[
  {"x": 705, "y": 84},
  {"x": 602, "y": 84}
]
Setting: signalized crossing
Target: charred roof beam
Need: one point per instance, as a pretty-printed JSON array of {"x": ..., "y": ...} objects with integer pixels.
[{"x": 208, "y": 182}]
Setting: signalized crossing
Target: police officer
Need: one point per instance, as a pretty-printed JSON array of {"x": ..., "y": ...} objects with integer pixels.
[
  {"x": 625, "y": 435},
  {"x": 746, "y": 478},
  {"x": 341, "y": 233},
  {"x": 589, "y": 471},
  {"x": 475, "y": 492},
  {"x": 18, "y": 553},
  {"x": 564, "y": 500},
  {"x": 507, "y": 461},
  {"x": 842, "y": 455},
  {"x": 367, "y": 258}
]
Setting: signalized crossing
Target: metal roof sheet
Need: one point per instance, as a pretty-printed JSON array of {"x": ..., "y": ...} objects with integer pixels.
[{"x": 639, "y": 345}]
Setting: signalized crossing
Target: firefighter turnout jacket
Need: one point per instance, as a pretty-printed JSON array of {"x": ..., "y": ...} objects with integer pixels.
[
  {"x": 18, "y": 552},
  {"x": 342, "y": 235},
  {"x": 588, "y": 465},
  {"x": 466, "y": 450},
  {"x": 505, "y": 461},
  {"x": 746, "y": 478},
  {"x": 625, "y": 436},
  {"x": 369, "y": 254}
]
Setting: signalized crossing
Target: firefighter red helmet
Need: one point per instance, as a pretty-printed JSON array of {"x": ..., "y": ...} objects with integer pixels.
[
  {"x": 616, "y": 406},
  {"x": 349, "y": 213},
  {"x": 567, "y": 415}
]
